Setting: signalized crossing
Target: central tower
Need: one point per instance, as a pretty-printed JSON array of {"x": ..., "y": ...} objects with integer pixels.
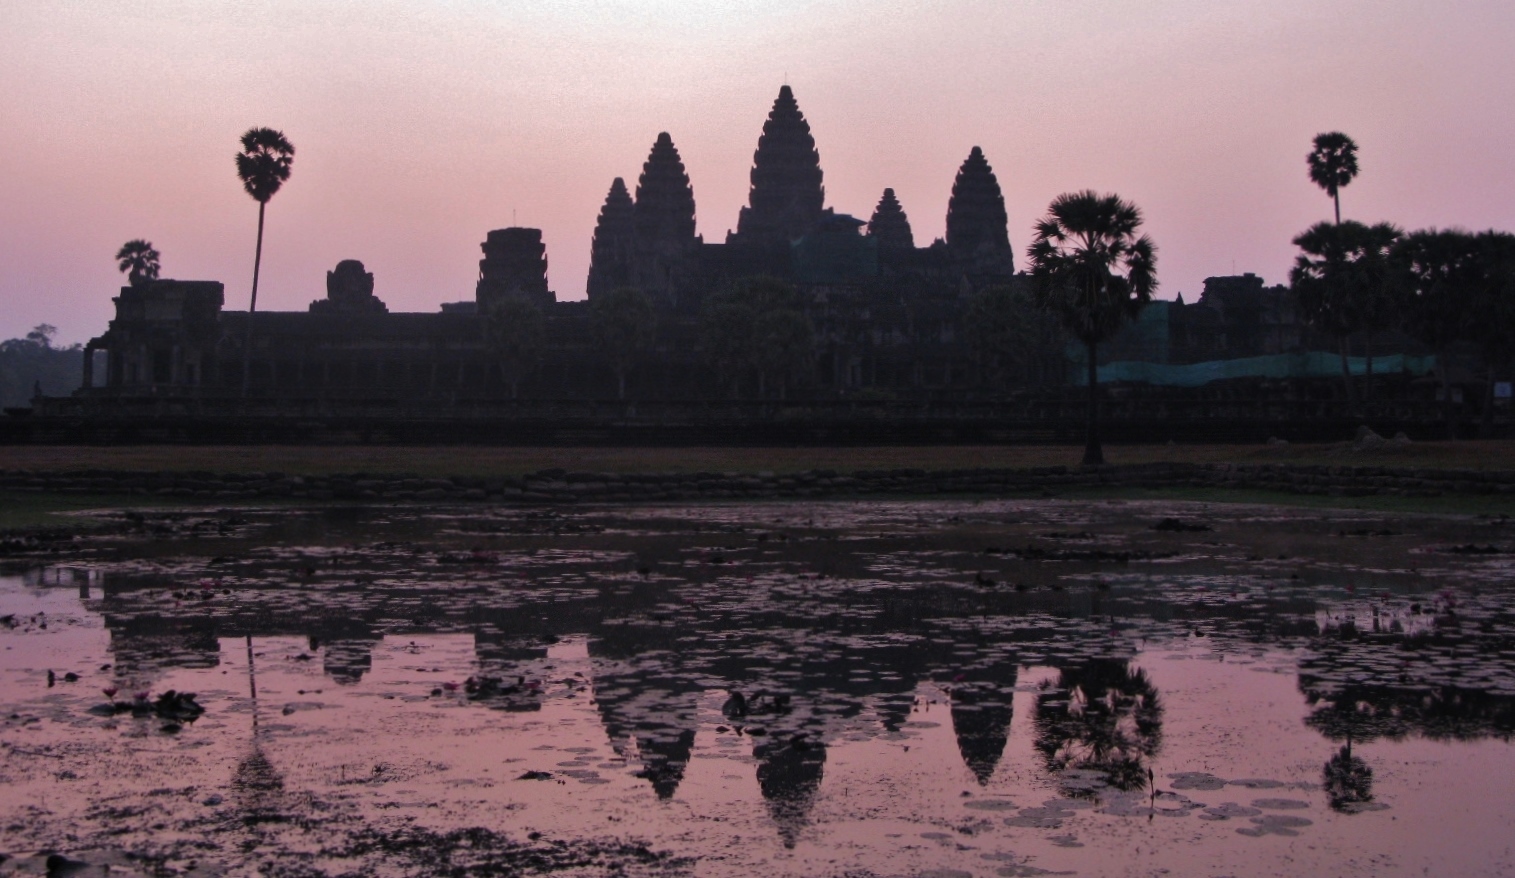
[{"x": 787, "y": 197}]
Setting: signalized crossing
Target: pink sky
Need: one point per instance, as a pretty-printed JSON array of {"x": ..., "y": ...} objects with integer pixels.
[{"x": 421, "y": 126}]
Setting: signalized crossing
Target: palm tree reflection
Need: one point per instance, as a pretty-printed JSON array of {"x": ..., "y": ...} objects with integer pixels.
[
  {"x": 1103, "y": 716},
  {"x": 1348, "y": 781}
]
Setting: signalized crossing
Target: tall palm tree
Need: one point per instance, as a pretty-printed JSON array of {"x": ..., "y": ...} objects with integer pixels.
[
  {"x": 1091, "y": 268},
  {"x": 139, "y": 260},
  {"x": 1333, "y": 164},
  {"x": 263, "y": 165}
]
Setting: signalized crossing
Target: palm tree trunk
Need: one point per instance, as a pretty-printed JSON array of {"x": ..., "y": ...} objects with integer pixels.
[
  {"x": 1486, "y": 426},
  {"x": 1346, "y": 374},
  {"x": 1336, "y": 197},
  {"x": 253, "y": 305},
  {"x": 1367, "y": 388},
  {"x": 1094, "y": 453},
  {"x": 1446, "y": 395}
]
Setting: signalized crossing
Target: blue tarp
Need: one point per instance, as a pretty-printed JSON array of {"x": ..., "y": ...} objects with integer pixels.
[{"x": 1308, "y": 364}]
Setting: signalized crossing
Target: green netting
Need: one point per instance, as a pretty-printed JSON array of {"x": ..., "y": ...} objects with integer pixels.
[{"x": 1307, "y": 364}]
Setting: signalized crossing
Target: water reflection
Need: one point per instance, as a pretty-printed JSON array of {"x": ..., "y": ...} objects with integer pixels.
[
  {"x": 697, "y": 640},
  {"x": 1104, "y": 716},
  {"x": 1348, "y": 781}
]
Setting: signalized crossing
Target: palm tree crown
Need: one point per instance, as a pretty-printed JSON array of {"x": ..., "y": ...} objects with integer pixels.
[
  {"x": 1089, "y": 264},
  {"x": 264, "y": 162},
  {"x": 1333, "y": 164},
  {"x": 139, "y": 260}
]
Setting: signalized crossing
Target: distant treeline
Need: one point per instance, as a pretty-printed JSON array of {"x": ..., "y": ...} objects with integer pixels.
[{"x": 30, "y": 361}]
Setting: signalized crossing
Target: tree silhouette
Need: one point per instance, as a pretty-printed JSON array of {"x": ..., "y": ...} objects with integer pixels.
[
  {"x": 263, "y": 165},
  {"x": 785, "y": 348},
  {"x": 1333, "y": 164},
  {"x": 514, "y": 329},
  {"x": 1345, "y": 280},
  {"x": 139, "y": 260},
  {"x": 1495, "y": 307},
  {"x": 1091, "y": 268},
  {"x": 758, "y": 324},
  {"x": 624, "y": 326},
  {"x": 1015, "y": 342},
  {"x": 728, "y": 340},
  {"x": 1445, "y": 273}
]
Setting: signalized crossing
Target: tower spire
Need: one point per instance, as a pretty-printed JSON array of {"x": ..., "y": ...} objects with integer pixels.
[
  {"x": 610, "y": 253},
  {"x": 663, "y": 219},
  {"x": 787, "y": 197},
  {"x": 977, "y": 233},
  {"x": 890, "y": 225}
]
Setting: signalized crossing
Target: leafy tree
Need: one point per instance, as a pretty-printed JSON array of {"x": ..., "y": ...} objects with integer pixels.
[
  {"x": 32, "y": 362},
  {"x": 785, "y": 348},
  {"x": 1444, "y": 271},
  {"x": 1091, "y": 268},
  {"x": 1345, "y": 280},
  {"x": 758, "y": 325},
  {"x": 514, "y": 329},
  {"x": 1015, "y": 342},
  {"x": 139, "y": 260},
  {"x": 624, "y": 326},
  {"x": 42, "y": 335},
  {"x": 263, "y": 165},
  {"x": 1495, "y": 307},
  {"x": 1333, "y": 164},
  {"x": 728, "y": 341}
]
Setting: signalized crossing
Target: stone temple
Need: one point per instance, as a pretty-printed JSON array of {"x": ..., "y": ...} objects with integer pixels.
[{"x": 886, "y": 317}]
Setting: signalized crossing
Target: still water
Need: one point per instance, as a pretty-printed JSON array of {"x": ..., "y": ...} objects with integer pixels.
[{"x": 889, "y": 689}]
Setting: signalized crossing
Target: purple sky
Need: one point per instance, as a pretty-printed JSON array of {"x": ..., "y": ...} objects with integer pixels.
[{"x": 421, "y": 126}]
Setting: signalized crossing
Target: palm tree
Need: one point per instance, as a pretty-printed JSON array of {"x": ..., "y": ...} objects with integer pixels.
[
  {"x": 1345, "y": 280},
  {"x": 1333, "y": 164},
  {"x": 1091, "y": 268},
  {"x": 139, "y": 260},
  {"x": 263, "y": 164}
]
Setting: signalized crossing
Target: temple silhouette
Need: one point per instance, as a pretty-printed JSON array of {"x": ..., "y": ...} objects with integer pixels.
[
  {"x": 885, "y": 311},
  {"x": 882, "y": 321}
]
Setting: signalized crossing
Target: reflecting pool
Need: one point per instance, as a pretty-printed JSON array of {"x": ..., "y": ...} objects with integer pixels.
[{"x": 879, "y": 688}]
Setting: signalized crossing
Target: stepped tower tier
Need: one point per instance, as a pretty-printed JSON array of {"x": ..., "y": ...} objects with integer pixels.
[
  {"x": 663, "y": 221},
  {"x": 889, "y": 225},
  {"x": 611, "y": 253},
  {"x": 514, "y": 264},
  {"x": 977, "y": 234},
  {"x": 787, "y": 198}
]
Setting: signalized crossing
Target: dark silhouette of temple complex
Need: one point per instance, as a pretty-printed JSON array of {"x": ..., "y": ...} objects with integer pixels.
[{"x": 872, "y": 319}]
